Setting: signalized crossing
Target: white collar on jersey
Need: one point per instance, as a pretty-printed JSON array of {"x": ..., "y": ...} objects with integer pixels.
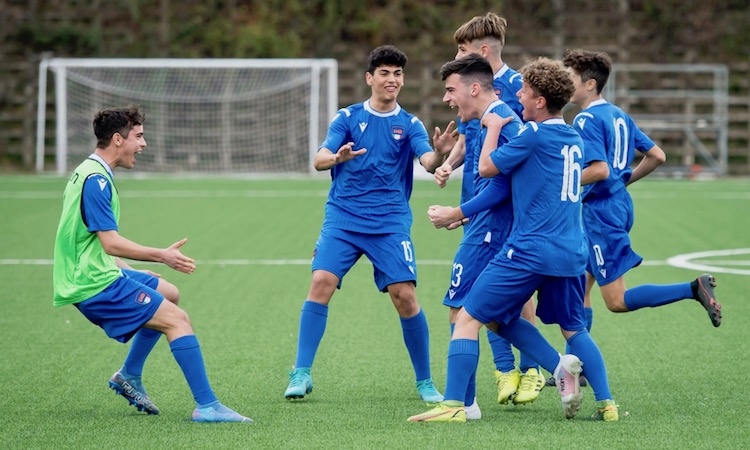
[
  {"x": 392, "y": 112},
  {"x": 489, "y": 108},
  {"x": 99, "y": 159},
  {"x": 502, "y": 71},
  {"x": 597, "y": 102},
  {"x": 554, "y": 121}
]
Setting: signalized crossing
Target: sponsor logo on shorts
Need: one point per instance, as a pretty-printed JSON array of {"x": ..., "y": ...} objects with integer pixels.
[{"x": 143, "y": 298}]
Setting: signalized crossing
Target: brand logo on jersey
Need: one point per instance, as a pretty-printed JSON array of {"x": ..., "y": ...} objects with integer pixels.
[
  {"x": 581, "y": 122},
  {"x": 397, "y": 132},
  {"x": 603, "y": 272},
  {"x": 411, "y": 269},
  {"x": 142, "y": 298},
  {"x": 102, "y": 183},
  {"x": 362, "y": 126},
  {"x": 522, "y": 129},
  {"x": 451, "y": 293}
]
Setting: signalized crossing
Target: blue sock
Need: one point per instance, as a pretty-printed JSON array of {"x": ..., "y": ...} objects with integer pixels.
[
  {"x": 502, "y": 353},
  {"x": 594, "y": 369},
  {"x": 527, "y": 338},
  {"x": 589, "y": 313},
  {"x": 463, "y": 355},
  {"x": 188, "y": 355},
  {"x": 312, "y": 325},
  {"x": 526, "y": 362},
  {"x": 143, "y": 342},
  {"x": 417, "y": 340},
  {"x": 653, "y": 295}
]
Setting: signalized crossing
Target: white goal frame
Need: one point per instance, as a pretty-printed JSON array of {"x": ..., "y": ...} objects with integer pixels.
[{"x": 320, "y": 92}]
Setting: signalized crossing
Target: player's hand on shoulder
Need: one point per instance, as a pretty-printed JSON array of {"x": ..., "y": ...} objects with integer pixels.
[
  {"x": 494, "y": 120},
  {"x": 174, "y": 258}
]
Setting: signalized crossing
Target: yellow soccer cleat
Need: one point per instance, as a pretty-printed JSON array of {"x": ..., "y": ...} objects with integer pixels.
[
  {"x": 442, "y": 413},
  {"x": 507, "y": 384},
  {"x": 606, "y": 410},
  {"x": 529, "y": 388}
]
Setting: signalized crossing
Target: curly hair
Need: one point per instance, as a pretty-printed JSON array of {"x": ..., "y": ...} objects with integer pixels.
[
  {"x": 590, "y": 66},
  {"x": 550, "y": 80},
  {"x": 107, "y": 122}
]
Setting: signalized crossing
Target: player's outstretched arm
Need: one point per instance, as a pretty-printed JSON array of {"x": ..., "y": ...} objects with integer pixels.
[
  {"x": 325, "y": 158},
  {"x": 443, "y": 142},
  {"x": 121, "y": 247},
  {"x": 494, "y": 124}
]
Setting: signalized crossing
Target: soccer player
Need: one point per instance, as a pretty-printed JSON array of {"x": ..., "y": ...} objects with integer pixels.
[
  {"x": 611, "y": 135},
  {"x": 370, "y": 148},
  {"x": 125, "y": 303},
  {"x": 485, "y": 36},
  {"x": 545, "y": 252}
]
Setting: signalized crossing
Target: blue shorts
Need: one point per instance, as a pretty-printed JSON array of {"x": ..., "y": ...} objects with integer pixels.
[
  {"x": 392, "y": 255},
  {"x": 469, "y": 262},
  {"x": 124, "y": 306},
  {"x": 607, "y": 222},
  {"x": 501, "y": 290}
]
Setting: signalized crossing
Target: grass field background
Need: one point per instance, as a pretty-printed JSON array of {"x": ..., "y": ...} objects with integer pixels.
[{"x": 681, "y": 380}]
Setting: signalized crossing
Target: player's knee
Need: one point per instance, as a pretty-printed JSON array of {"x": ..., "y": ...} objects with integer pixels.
[
  {"x": 616, "y": 304},
  {"x": 323, "y": 285},
  {"x": 169, "y": 291}
]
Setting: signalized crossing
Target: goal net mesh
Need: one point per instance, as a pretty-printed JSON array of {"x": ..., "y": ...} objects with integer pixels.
[{"x": 253, "y": 120}]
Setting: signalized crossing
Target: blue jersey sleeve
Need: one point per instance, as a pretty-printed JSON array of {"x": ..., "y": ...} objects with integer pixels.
[
  {"x": 643, "y": 143},
  {"x": 338, "y": 131},
  {"x": 96, "y": 204},
  {"x": 418, "y": 138},
  {"x": 512, "y": 154},
  {"x": 496, "y": 192}
]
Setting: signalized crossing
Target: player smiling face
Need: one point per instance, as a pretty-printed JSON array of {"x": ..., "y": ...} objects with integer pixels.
[
  {"x": 386, "y": 83},
  {"x": 458, "y": 95}
]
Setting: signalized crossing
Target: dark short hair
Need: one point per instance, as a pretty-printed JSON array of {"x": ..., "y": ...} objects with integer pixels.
[
  {"x": 386, "y": 55},
  {"x": 590, "y": 66},
  {"x": 472, "y": 68},
  {"x": 107, "y": 122},
  {"x": 550, "y": 80}
]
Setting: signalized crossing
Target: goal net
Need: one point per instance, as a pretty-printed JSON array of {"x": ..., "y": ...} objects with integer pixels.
[{"x": 209, "y": 116}]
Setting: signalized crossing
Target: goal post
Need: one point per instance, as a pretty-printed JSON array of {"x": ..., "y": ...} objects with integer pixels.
[{"x": 203, "y": 116}]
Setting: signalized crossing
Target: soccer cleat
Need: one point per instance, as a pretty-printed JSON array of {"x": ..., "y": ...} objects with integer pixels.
[
  {"x": 218, "y": 413},
  {"x": 300, "y": 384},
  {"x": 581, "y": 380},
  {"x": 531, "y": 384},
  {"x": 507, "y": 384},
  {"x": 566, "y": 378},
  {"x": 428, "y": 392},
  {"x": 472, "y": 411},
  {"x": 133, "y": 391},
  {"x": 703, "y": 291},
  {"x": 441, "y": 413},
  {"x": 606, "y": 410}
]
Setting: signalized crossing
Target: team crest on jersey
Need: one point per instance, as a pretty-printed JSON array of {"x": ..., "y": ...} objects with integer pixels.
[
  {"x": 143, "y": 298},
  {"x": 397, "y": 132}
]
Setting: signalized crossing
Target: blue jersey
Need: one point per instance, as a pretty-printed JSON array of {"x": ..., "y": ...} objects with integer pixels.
[
  {"x": 609, "y": 134},
  {"x": 96, "y": 201},
  {"x": 506, "y": 82},
  {"x": 544, "y": 162},
  {"x": 370, "y": 193},
  {"x": 493, "y": 225}
]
